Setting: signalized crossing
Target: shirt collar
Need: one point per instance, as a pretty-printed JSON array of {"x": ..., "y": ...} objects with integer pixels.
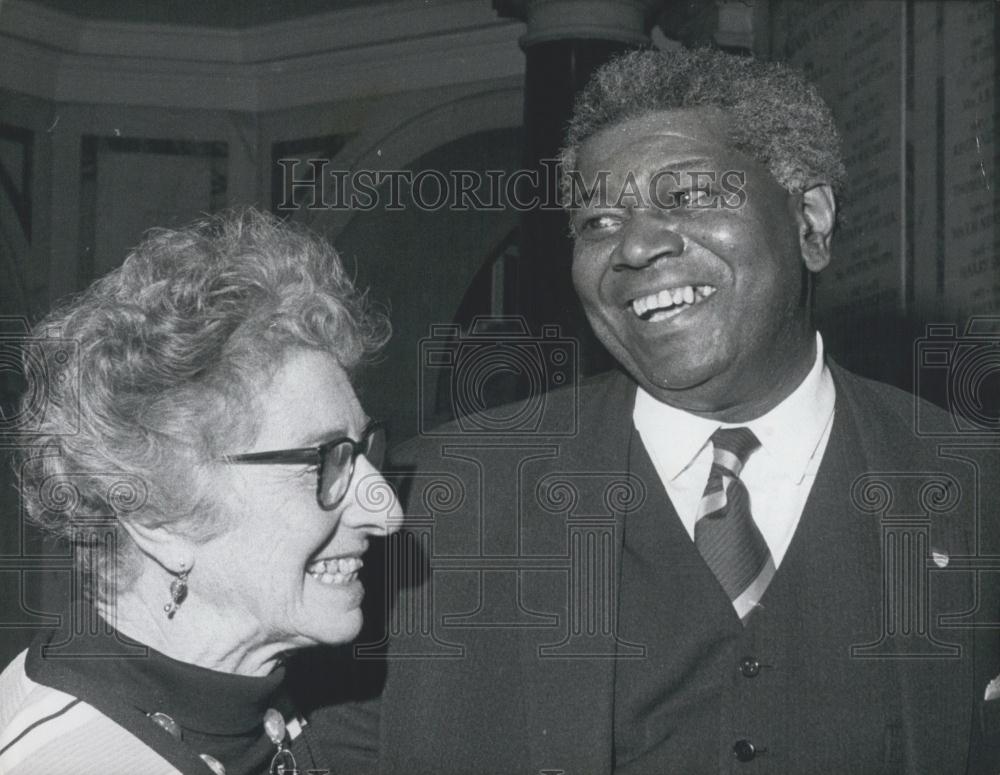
[{"x": 789, "y": 433}]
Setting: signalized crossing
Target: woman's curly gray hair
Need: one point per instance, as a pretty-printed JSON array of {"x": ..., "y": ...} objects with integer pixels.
[
  {"x": 776, "y": 116},
  {"x": 166, "y": 349}
]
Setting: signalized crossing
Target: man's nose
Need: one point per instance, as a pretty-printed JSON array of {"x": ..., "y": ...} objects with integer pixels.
[
  {"x": 647, "y": 237},
  {"x": 371, "y": 503}
]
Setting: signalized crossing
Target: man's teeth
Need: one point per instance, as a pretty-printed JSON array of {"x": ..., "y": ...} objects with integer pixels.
[
  {"x": 336, "y": 570},
  {"x": 672, "y": 299}
]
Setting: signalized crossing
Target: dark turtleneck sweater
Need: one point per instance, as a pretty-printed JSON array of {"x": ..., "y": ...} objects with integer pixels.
[{"x": 220, "y": 714}]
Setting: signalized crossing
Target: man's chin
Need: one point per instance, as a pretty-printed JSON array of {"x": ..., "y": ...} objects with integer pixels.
[
  {"x": 688, "y": 395},
  {"x": 702, "y": 389},
  {"x": 681, "y": 379}
]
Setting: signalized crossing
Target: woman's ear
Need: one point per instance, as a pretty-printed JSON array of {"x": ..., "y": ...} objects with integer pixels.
[
  {"x": 815, "y": 212},
  {"x": 165, "y": 547}
]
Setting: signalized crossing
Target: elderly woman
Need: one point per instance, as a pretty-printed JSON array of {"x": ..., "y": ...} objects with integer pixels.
[{"x": 209, "y": 408}]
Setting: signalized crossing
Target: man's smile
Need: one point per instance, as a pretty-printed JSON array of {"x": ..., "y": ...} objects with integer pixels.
[{"x": 670, "y": 302}]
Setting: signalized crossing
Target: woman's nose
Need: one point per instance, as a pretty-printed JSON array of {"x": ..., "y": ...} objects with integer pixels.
[{"x": 371, "y": 502}]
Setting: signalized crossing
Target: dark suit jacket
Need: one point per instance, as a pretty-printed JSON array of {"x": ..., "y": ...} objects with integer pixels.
[{"x": 880, "y": 629}]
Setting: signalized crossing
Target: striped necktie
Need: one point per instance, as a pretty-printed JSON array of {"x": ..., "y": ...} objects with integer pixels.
[{"x": 725, "y": 532}]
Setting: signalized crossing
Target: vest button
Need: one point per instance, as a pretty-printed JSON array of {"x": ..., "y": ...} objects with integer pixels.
[
  {"x": 745, "y": 750},
  {"x": 750, "y": 667}
]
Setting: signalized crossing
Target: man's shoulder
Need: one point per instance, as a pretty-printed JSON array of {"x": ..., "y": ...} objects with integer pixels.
[
  {"x": 557, "y": 416},
  {"x": 881, "y": 405}
]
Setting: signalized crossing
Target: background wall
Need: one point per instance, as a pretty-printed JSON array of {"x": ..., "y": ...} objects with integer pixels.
[{"x": 912, "y": 86}]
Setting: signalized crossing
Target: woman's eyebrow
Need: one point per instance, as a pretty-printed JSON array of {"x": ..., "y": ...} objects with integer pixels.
[{"x": 339, "y": 432}]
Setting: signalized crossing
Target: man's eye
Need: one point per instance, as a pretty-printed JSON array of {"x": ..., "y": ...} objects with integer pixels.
[
  {"x": 693, "y": 197},
  {"x": 597, "y": 224}
]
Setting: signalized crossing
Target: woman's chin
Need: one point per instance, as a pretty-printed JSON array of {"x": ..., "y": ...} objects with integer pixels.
[{"x": 334, "y": 610}]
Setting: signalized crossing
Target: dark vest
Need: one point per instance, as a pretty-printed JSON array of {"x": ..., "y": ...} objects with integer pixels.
[{"x": 713, "y": 696}]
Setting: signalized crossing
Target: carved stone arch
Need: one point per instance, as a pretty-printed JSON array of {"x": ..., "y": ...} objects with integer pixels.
[
  {"x": 392, "y": 139},
  {"x": 422, "y": 263}
]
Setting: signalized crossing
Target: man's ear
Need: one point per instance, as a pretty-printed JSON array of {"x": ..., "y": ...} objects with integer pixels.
[
  {"x": 815, "y": 214},
  {"x": 165, "y": 547}
]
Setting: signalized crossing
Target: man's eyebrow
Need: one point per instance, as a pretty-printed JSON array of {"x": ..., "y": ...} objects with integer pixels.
[
  {"x": 702, "y": 162},
  {"x": 694, "y": 164}
]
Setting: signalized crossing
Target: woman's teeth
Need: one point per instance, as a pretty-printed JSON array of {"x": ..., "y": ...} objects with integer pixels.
[
  {"x": 336, "y": 570},
  {"x": 669, "y": 302}
]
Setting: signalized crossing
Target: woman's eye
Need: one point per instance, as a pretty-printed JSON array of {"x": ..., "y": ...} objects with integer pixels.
[{"x": 307, "y": 472}]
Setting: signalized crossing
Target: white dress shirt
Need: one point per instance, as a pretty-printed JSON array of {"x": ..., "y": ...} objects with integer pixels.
[{"x": 778, "y": 476}]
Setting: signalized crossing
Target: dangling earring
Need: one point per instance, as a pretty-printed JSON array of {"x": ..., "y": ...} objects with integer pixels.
[{"x": 178, "y": 591}]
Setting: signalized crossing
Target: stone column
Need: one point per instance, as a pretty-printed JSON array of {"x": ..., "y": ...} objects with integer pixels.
[{"x": 565, "y": 41}]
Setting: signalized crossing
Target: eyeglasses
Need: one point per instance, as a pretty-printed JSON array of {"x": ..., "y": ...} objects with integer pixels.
[{"x": 334, "y": 461}]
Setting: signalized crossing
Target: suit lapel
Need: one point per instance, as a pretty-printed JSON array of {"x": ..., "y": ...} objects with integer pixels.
[
  {"x": 570, "y": 677},
  {"x": 912, "y": 504}
]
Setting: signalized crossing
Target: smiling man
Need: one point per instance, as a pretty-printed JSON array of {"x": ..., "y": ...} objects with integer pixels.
[
  {"x": 703, "y": 305},
  {"x": 747, "y": 607}
]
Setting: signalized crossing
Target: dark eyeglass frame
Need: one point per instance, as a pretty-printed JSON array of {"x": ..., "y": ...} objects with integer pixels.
[{"x": 373, "y": 438}]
